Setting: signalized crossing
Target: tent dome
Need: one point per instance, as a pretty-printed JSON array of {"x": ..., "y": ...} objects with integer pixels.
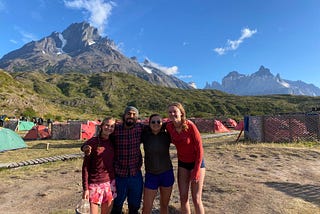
[{"x": 10, "y": 140}]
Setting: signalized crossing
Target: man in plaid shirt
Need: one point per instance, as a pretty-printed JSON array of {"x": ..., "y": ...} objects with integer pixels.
[{"x": 128, "y": 162}]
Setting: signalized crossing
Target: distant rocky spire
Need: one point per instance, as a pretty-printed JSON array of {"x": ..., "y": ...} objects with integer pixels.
[{"x": 79, "y": 35}]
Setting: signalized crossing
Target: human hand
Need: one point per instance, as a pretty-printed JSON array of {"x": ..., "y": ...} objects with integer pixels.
[
  {"x": 194, "y": 176},
  {"x": 85, "y": 194},
  {"x": 194, "y": 181},
  {"x": 87, "y": 150}
]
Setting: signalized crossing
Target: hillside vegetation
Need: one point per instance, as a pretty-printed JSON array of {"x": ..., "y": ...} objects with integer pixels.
[{"x": 88, "y": 96}]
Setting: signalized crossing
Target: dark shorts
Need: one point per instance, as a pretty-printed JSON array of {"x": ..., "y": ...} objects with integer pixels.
[
  {"x": 165, "y": 179},
  {"x": 190, "y": 166},
  {"x": 129, "y": 188}
]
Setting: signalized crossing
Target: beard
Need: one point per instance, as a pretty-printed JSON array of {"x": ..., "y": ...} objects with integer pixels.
[{"x": 130, "y": 122}]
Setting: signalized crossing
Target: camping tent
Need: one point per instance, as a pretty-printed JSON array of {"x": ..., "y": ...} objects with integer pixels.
[
  {"x": 10, "y": 140},
  {"x": 219, "y": 127},
  {"x": 25, "y": 125},
  {"x": 37, "y": 132},
  {"x": 239, "y": 126},
  {"x": 88, "y": 130},
  {"x": 231, "y": 123}
]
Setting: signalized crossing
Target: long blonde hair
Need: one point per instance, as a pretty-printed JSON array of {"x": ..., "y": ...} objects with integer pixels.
[
  {"x": 104, "y": 121},
  {"x": 184, "y": 125}
]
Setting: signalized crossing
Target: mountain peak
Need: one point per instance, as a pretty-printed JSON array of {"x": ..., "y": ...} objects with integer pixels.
[
  {"x": 262, "y": 82},
  {"x": 233, "y": 75},
  {"x": 80, "y": 48},
  {"x": 146, "y": 62},
  {"x": 263, "y": 72},
  {"x": 79, "y": 35}
]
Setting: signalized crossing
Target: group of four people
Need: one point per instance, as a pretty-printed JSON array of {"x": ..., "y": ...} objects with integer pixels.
[{"x": 112, "y": 164}]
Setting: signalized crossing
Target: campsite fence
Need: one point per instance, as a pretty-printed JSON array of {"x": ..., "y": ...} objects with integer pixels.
[
  {"x": 66, "y": 131},
  {"x": 204, "y": 125},
  {"x": 283, "y": 128}
]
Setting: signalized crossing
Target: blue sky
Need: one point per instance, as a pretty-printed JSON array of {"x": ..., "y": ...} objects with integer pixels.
[{"x": 196, "y": 40}]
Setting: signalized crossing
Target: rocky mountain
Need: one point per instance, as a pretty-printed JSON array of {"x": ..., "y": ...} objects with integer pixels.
[
  {"x": 262, "y": 82},
  {"x": 80, "y": 48}
]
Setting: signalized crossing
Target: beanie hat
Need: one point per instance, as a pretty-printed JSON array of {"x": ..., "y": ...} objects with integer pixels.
[{"x": 131, "y": 108}]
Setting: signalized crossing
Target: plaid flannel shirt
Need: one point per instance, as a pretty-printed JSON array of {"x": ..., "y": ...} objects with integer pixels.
[{"x": 128, "y": 157}]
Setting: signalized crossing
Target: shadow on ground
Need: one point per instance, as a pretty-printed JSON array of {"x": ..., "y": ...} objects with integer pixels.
[{"x": 310, "y": 193}]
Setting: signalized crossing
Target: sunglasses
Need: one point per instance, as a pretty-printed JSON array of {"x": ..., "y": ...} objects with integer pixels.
[{"x": 155, "y": 121}]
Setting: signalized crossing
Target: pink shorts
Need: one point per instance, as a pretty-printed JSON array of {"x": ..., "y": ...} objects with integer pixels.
[{"x": 103, "y": 192}]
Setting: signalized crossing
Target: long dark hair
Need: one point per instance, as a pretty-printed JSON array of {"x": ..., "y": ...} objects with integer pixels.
[{"x": 156, "y": 115}]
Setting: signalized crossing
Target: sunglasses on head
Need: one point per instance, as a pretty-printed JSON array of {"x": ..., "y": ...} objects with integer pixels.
[{"x": 155, "y": 121}]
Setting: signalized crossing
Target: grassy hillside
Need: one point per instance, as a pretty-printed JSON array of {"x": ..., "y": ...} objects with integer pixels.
[{"x": 80, "y": 96}]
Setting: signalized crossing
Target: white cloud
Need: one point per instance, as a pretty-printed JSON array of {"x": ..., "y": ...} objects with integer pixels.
[
  {"x": 247, "y": 33},
  {"x": 13, "y": 41},
  {"x": 193, "y": 85},
  {"x": 220, "y": 51},
  {"x": 167, "y": 70},
  {"x": 98, "y": 9},
  {"x": 185, "y": 76},
  {"x": 27, "y": 37},
  {"x": 234, "y": 44}
]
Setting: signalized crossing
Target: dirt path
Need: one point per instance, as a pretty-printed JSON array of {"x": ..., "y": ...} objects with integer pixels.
[{"x": 240, "y": 179}]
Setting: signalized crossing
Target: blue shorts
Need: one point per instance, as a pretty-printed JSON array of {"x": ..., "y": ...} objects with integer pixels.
[
  {"x": 190, "y": 166},
  {"x": 165, "y": 179}
]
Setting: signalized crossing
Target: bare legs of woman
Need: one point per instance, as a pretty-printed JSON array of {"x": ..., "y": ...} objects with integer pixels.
[
  {"x": 196, "y": 192},
  {"x": 105, "y": 208},
  {"x": 165, "y": 194},
  {"x": 184, "y": 184},
  {"x": 149, "y": 196},
  {"x": 94, "y": 208}
]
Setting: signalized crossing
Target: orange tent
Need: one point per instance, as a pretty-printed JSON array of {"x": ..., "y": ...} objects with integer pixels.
[
  {"x": 89, "y": 130},
  {"x": 219, "y": 127},
  {"x": 240, "y": 125},
  {"x": 231, "y": 123},
  {"x": 37, "y": 132}
]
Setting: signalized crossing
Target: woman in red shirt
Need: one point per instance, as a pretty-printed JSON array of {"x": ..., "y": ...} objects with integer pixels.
[{"x": 191, "y": 169}]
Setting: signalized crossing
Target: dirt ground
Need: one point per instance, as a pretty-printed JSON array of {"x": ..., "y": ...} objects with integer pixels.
[{"x": 240, "y": 178}]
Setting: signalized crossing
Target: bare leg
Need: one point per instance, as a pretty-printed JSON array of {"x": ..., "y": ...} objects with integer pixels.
[
  {"x": 165, "y": 194},
  {"x": 183, "y": 184},
  {"x": 196, "y": 192},
  {"x": 106, "y": 207},
  {"x": 94, "y": 208},
  {"x": 148, "y": 198}
]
